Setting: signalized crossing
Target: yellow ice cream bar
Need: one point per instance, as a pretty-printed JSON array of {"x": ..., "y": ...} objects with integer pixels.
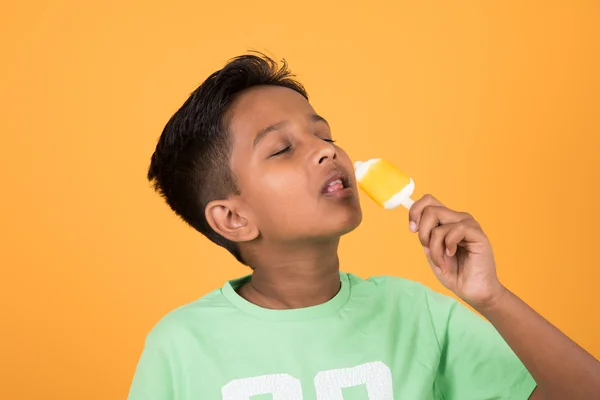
[{"x": 384, "y": 183}]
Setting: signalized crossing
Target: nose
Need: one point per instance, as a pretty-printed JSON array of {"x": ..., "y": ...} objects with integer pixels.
[{"x": 324, "y": 151}]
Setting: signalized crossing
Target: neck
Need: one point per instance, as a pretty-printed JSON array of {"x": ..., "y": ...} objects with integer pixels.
[{"x": 294, "y": 277}]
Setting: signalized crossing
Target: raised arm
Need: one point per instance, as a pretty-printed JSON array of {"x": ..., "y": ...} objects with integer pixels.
[{"x": 461, "y": 257}]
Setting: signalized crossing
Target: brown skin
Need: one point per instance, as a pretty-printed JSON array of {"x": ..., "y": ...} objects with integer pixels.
[
  {"x": 461, "y": 257},
  {"x": 287, "y": 228},
  {"x": 289, "y": 233}
]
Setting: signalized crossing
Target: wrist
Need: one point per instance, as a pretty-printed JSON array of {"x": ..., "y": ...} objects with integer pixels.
[{"x": 496, "y": 298}]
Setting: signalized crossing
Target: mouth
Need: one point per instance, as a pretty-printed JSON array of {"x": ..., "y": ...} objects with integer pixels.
[{"x": 337, "y": 184}]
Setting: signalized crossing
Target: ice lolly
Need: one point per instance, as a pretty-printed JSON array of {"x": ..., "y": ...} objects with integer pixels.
[{"x": 384, "y": 183}]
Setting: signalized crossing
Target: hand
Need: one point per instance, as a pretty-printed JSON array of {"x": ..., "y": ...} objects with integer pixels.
[{"x": 458, "y": 251}]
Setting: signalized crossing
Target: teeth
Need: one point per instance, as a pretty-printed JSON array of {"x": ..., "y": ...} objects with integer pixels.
[{"x": 335, "y": 182}]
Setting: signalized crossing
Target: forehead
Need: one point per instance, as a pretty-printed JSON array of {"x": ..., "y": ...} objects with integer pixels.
[{"x": 261, "y": 106}]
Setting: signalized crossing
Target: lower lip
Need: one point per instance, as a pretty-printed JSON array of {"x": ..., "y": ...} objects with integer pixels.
[{"x": 339, "y": 194}]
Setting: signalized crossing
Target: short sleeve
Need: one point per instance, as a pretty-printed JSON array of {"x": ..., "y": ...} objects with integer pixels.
[
  {"x": 476, "y": 363},
  {"x": 153, "y": 377}
]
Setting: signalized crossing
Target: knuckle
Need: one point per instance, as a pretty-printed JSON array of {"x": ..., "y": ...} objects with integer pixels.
[
  {"x": 429, "y": 210},
  {"x": 453, "y": 233},
  {"x": 453, "y": 236},
  {"x": 430, "y": 199},
  {"x": 435, "y": 232},
  {"x": 463, "y": 225},
  {"x": 466, "y": 215},
  {"x": 426, "y": 211},
  {"x": 474, "y": 224},
  {"x": 462, "y": 229}
]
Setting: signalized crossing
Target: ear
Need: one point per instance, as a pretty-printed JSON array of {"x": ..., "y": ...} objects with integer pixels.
[{"x": 225, "y": 218}]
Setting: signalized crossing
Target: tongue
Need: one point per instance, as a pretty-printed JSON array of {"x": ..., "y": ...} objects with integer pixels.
[{"x": 334, "y": 187}]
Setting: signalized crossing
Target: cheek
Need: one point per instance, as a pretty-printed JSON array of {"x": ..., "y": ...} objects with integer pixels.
[
  {"x": 281, "y": 203},
  {"x": 279, "y": 189}
]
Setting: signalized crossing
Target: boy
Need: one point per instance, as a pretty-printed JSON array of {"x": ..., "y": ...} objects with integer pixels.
[{"x": 248, "y": 162}]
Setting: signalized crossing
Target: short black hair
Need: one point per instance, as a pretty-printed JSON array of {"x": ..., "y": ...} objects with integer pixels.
[{"x": 191, "y": 164}]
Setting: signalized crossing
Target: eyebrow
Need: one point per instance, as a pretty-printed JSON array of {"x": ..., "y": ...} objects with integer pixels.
[
  {"x": 318, "y": 118},
  {"x": 281, "y": 124}
]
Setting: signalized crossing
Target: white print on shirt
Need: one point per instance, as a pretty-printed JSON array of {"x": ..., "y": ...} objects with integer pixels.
[
  {"x": 281, "y": 386},
  {"x": 376, "y": 376}
]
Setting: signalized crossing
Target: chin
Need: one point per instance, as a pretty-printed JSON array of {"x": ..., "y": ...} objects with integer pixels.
[{"x": 350, "y": 223}]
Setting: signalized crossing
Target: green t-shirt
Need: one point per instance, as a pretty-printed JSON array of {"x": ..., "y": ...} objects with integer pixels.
[{"x": 381, "y": 339}]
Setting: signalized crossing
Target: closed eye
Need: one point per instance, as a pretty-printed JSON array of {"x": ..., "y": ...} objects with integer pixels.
[
  {"x": 280, "y": 152},
  {"x": 329, "y": 140}
]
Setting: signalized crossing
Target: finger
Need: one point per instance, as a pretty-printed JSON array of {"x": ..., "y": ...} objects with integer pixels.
[
  {"x": 416, "y": 210},
  {"x": 465, "y": 231},
  {"x": 428, "y": 221},
  {"x": 437, "y": 270},
  {"x": 434, "y": 216},
  {"x": 437, "y": 245}
]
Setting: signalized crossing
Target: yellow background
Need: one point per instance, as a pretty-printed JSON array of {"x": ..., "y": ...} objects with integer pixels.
[{"x": 493, "y": 107}]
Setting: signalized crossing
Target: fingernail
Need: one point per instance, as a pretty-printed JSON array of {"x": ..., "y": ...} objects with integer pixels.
[
  {"x": 448, "y": 253},
  {"x": 412, "y": 226},
  {"x": 426, "y": 250}
]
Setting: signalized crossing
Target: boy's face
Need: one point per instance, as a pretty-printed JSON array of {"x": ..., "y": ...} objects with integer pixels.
[{"x": 295, "y": 184}]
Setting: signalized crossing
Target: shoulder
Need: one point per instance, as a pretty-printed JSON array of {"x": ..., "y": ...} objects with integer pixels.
[
  {"x": 391, "y": 285},
  {"x": 405, "y": 293},
  {"x": 189, "y": 320}
]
